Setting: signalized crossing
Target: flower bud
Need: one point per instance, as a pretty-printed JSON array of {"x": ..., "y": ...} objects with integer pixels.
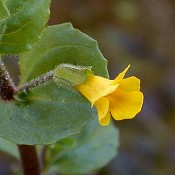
[{"x": 72, "y": 74}]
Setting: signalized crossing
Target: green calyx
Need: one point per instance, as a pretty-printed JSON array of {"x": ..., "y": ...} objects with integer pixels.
[{"x": 72, "y": 74}]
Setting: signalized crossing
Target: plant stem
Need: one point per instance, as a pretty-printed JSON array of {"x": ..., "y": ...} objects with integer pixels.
[
  {"x": 7, "y": 87},
  {"x": 29, "y": 159},
  {"x": 37, "y": 81}
]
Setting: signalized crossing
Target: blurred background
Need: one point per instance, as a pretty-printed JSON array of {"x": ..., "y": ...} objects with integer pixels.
[{"x": 140, "y": 33}]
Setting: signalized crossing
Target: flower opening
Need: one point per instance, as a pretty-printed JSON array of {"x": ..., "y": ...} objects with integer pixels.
[{"x": 120, "y": 97}]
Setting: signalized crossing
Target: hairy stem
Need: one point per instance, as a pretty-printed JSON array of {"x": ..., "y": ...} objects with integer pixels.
[
  {"x": 7, "y": 87},
  {"x": 37, "y": 81},
  {"x": 29, "y": 159}
]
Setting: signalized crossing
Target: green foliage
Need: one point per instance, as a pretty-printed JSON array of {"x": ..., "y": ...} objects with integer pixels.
[
  {"x": 25, "y": 21},
  {"x": 61, "y": 44},
  {"x": 94, "y": 147},
  {"x": 4, "y": 13},
  {"x": 52, "y": 112},
  {"x": 75, "y": 75},
  {"x": 48, "y": 113},
  {"x": 2, "y": 28}
]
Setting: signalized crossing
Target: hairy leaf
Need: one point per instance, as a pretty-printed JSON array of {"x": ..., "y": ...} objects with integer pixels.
[
  {"x": 47, "y": 114},
  {"x": 61, "y": 44}
]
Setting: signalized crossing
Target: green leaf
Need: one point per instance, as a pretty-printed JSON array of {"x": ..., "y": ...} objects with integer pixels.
[
  {"x": 4, "y": 13},
  {"x": 96, "y": 146},
  {"x": 2, "y": 29},
  {"x": 48, "y": 114},
  {"x": 64, "y": 144},
  {"x": 9, "y": 147},
  {"x": 25, "y": 23},
  {"x": 62, "y": 44}
]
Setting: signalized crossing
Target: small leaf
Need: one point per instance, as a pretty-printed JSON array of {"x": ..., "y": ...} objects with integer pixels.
[
  {"x": 24, "y": 24},
  {"x": 95, "y": 147},
  {"x": 64, "y": 144}
]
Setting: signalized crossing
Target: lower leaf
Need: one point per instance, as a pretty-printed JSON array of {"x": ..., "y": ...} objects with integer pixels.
[
  {"x": 45, "y": 115},
  {"x": 95, "y": 147}
]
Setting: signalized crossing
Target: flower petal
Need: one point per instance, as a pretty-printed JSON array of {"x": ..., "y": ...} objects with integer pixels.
[
  {"x": 124, "y": 105},
  {"x": 130, "y": 84},
  {"x": 96, "y": 87},
  {"x": 102, "y": 106},
  {"x": 121, "y": 75}
]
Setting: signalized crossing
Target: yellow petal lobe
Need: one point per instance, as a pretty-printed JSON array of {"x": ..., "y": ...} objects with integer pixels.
[
  {"x": 120, "y": 97},
  {"x": 102, "y": 106},
  {"x": 130, "y": 84},
  {"x": 124, "y": 105},
  {"x": 121, "y": 75},
  {"x": 96, "y": 87}
]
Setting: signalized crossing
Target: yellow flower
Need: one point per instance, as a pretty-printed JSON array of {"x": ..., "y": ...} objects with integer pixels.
[{"x": 120, "y": 97}]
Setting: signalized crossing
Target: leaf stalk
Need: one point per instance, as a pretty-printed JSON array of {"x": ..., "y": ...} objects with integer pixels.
[{"x": 35, "y": 82}]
